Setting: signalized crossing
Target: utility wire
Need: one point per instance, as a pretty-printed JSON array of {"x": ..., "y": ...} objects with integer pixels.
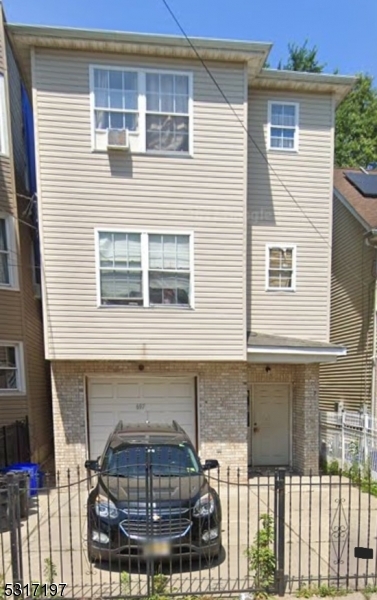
[{"x": 255, "y": 144}]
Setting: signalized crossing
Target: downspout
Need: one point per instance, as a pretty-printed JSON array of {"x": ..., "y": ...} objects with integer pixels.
[{"x": 371, "y": 240}]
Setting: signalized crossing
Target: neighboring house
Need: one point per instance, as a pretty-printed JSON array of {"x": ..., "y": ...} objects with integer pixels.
[
  {"x": 25, "y": 390},
  {"x": 159, "y": 260},
  {"x": 352, "y": 381}
]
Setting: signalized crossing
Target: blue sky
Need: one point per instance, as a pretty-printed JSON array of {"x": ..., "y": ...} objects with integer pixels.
[{"x": 343, "y": 30}]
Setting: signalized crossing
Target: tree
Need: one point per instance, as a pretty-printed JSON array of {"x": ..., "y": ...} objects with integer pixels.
[
  {"x": 302, "y": 58},
  {"x": 356, "y": 126}
]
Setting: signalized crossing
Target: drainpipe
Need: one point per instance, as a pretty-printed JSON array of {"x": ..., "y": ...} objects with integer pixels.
[{"x": 371, "y": 240}]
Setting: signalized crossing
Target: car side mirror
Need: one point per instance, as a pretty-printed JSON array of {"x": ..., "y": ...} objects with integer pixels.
[
  {"x": 92, "y": 465},
  {"x": 211, "y": 464}
]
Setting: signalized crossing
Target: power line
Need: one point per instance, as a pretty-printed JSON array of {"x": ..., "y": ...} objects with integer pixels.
[{"x": 255, "y": 144}]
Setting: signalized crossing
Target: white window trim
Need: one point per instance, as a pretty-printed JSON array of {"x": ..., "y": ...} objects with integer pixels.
[
  {"x": 297, "y": 128},
  {"x": 20, "y": 373},
  {"x": 10, "y": 230},
  {"x": 4, "y": 136},
  {"x": 281, "y": 246},
  {"x": 145, "y": 267},
  {"x": 142, "y": 104}
]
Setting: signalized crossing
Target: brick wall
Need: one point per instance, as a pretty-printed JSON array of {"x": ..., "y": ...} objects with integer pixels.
[
  {"x": 306, "y": 419},
  {"x": 222, "y": 406},
  {"x": 304, "y": 380}
]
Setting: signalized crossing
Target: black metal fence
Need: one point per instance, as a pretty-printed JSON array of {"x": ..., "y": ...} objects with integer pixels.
[
  {"x": 14, "y": 443},
  {"x": 277, "y": 531}
]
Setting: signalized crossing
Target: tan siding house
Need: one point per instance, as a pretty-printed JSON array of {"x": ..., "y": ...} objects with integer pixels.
[
  {"x": 24, "y": 377},
  {"x": 353, "y": 299},
  {"x": 156, "y": 254}
]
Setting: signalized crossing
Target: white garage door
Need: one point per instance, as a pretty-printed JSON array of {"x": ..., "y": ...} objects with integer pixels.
[{"x": 158, "y": 400}]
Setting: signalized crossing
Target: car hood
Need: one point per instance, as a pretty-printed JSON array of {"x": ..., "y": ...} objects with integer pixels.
[{"x": 160, "y": 489}]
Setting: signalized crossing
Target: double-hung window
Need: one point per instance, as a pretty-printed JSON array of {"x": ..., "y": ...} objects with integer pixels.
[
  {"x": 120, "y": 268},
  {"x": 167, "y": 112},
  {"x": 283, "y": 126},
  {"x": 8, "y": 253},
  {"x": 4, "y": 254},
  {"x": 154, "y": 106},
  {"x": 10, "y": 368},
  {"x": 281, "y": 268},
  {"x": 144, "y": 269},
  {"x": 4, "y": 149}
]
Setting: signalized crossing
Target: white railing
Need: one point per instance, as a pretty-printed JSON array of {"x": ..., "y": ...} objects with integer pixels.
[{"x": 349, "y": 438}]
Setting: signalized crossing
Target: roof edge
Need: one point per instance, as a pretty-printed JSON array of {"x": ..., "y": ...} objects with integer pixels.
[
  {"x": 351, "y": 209},
  {"x": 73, "y": 33}
]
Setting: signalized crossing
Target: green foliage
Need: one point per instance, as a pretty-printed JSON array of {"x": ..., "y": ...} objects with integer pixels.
[
  {"x": 2, "y": 587},
  {"x": 125, "y": 583},
  {"x": 322, "y": 591},
  {"x": 261, "y": 557},
  {"x": 49, "y": 571},
  {"x": 302, "y": 58},
  {"x": 356, "y": 126},
  {"x": 331, "y": 468}
]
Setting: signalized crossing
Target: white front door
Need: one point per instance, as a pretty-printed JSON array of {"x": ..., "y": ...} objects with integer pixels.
[
  {"x": 270, "y": 427},
  {"x": 137, "y": 400}
]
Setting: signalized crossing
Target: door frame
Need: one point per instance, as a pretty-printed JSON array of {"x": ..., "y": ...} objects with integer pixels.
[{"x": 290, "y": 418}]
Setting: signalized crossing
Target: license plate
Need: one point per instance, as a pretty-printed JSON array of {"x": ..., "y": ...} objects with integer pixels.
[{"x": 157, "y": 549}]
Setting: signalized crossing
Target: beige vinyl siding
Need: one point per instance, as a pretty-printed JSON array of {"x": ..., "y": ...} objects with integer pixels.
[
  {"x": 276, "y": 218},
  {"x": 352, "y": 305},
  {"x": 81, "y": 190},
  {"x": 36, "y": 367}
]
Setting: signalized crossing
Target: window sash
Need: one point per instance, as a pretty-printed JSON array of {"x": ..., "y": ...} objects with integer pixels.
[
  {"x": 171, "y": 278},
  {"x": 282, "y": 134},
  {"x": 9, "y": 369},
  {"x": 160, "y": 130},
  {"x": 281, "y": 270},
  {"x": 4, "y": 254}
]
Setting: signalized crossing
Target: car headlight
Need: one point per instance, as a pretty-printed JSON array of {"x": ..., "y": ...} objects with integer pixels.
[
  {"x": 105, "y": 507},
  {"x": 204, "y": 506}
]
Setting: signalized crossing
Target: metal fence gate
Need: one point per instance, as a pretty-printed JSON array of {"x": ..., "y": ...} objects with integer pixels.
[{"x": 316, "y": 522}]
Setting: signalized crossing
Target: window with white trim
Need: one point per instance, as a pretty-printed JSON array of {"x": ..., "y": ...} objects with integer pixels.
[
  {"x": 8, "y": 253},
  {"x": 281, "y": 268},
  {"x": 10, "y": 368},
  {"x": 283, "y": 126},
  {"x": 144, "y": 269},
  {"x": 4, "y": 254},
  {"x": 154, "y": 106},
  {"x": 3, "y": 118}
]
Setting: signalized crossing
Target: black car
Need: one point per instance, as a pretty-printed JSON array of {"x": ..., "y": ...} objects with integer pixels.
[{"x": 152, "y": 497}]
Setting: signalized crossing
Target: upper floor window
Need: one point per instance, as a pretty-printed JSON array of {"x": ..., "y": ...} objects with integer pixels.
[
  {"x": 155, "y": 107},
  {"x": 281, "y": 268},
  {"x": 8, "y": 268},
  {"x": 283, "y": 126},
  {"x": 11, "y": 370},
  {"x": 3, "y": 118},
  {"x": 144, "y": 269}
]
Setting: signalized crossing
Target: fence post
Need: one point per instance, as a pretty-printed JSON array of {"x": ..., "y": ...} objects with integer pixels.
[
  {"x": 13, "y": 504},
  {"x": 280, "y": 531},
  {"x": 343, "y": 419},
  {"x": 365, "y": 436}
]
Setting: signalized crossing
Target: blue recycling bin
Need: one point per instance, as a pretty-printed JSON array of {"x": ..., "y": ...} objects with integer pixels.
[{"x": 32, "y": 470}]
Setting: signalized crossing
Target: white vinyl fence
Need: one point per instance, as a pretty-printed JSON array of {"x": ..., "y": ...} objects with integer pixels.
[{"x": 349, "y": 438}]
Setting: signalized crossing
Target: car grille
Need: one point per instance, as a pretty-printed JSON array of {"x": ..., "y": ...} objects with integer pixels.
[{"x": 165, "y": 528}]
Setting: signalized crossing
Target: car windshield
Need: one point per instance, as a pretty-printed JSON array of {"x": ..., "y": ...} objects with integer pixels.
[{"x": 165, "y": 460}]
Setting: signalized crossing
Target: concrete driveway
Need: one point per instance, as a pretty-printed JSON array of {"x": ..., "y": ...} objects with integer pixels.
[{"x": 323, "y": 523}]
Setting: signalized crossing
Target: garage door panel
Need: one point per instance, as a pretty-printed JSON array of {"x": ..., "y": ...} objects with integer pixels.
[
  {"x": 102, "y": 390},
  {"x": 158, "y": 400},
  {"x": 128, "y": 390}
]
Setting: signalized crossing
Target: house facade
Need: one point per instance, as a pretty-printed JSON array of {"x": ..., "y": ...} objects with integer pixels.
[
  {"x": 350, "y": 384},
  {"x": 186, "y": 273},
  {"x": 24, "y": 373}
]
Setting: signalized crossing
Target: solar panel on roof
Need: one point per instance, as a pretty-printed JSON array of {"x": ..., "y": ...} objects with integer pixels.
[{"x": 366, "y": 184}]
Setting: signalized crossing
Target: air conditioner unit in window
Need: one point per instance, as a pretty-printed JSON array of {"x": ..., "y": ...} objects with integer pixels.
[{"x": 118, "y": 139}]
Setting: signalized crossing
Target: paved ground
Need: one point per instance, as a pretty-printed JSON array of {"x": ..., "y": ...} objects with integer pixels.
[{"x": 322, "y": 523}]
